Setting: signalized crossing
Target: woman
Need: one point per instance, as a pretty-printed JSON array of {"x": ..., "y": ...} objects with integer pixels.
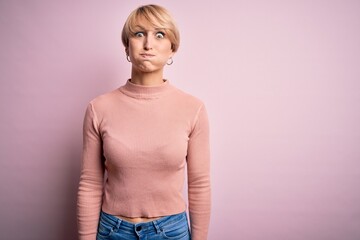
[{"x": 143, "y": 134}]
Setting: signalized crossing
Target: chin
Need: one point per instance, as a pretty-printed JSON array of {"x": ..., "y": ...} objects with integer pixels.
[{"x": 145, "y": 69}]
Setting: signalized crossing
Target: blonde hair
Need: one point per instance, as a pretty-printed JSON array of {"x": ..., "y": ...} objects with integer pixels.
[{"x": 159, "y": 17}]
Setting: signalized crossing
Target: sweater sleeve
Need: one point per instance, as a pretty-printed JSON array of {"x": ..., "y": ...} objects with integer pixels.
[
  {"x": 198, "y": 167},
  {"x": 90, "y": 189}
]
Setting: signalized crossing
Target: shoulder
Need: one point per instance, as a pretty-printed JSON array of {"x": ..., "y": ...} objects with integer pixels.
[
  {"x": 188, "y": 99},
  {"x": 104, "y": 101},
  {"x": 195, "y": 108}
]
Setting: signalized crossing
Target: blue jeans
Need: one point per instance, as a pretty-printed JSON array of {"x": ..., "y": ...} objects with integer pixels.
[{"x": 174, "y": 227}]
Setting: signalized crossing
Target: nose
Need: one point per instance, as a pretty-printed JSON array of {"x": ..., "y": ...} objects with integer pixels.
[{"x": 148, "y": 42}]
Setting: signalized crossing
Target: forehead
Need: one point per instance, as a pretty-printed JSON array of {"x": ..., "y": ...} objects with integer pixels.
[{"x": 148, "y": 22}]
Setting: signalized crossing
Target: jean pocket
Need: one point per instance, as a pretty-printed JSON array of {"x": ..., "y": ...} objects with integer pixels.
[
  {"x": 105, "y": 229},
  {"x": 176, "y": 232}
]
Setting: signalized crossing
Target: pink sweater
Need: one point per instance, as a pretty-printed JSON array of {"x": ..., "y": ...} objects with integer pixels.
[{"x": 144, "y": 136}]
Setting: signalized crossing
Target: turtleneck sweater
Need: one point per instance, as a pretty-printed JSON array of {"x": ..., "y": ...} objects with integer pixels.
[{"x": 137, "y": 141}]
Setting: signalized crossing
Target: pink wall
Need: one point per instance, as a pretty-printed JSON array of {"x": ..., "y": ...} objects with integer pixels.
[{"x": 281, "y": 80}]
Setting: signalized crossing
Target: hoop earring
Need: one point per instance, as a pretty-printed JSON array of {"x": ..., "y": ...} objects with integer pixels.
[
  {"x": 128, "y": 58},
  {"x": 171, "y": 62}
]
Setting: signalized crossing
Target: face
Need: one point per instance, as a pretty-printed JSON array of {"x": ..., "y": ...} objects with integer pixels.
[{"x": 149, "y": 49}]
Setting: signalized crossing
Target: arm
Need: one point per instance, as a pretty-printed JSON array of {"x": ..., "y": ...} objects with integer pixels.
[
  {"x": 198, "y": 167},
  {"x": 91, "y": 179}
]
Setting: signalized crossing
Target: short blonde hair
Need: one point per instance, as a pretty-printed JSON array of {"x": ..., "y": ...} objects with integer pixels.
[{"x": 157, "y": 16}]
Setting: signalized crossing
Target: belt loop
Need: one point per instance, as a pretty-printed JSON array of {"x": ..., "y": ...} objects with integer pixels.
[
  {"x": 118, "y": 223},
  {"x": 158, "y": 229}
]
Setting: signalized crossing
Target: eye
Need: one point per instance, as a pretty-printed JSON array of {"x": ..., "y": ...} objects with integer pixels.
[
  {"x": 160, "y": 35},
  {"x": 139, "y": 34}
]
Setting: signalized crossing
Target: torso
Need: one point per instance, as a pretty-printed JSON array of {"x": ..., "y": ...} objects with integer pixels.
[{"x": 137, "y": 219}]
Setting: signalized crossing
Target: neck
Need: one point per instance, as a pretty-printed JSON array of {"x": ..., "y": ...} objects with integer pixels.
[{"x": 148, "y": 79}]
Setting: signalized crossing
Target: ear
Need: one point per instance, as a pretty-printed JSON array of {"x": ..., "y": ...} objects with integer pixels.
[{"x": 127, "y": 51}]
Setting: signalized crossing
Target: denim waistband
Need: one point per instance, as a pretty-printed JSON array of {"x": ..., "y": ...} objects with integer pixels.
[{"x": 151, "y": 225}]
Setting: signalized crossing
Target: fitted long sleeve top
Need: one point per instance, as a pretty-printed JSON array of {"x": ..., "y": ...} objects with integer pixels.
[{"x": 144, "y": 136}]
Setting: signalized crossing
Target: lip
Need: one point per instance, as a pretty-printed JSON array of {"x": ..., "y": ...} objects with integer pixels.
[{"x": 147, "y": 55}]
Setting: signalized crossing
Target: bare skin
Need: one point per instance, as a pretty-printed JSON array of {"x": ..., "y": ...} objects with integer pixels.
[
  {"x": 137, "y": 219},
  {"x": 149, "y": 50}
]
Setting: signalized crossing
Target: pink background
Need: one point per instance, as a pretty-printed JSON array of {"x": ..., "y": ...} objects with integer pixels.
[{"x": 281, "y": 81}]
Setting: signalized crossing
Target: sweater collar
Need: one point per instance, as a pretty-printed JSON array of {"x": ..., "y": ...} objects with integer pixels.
[{"x": 145, "y": 91}]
